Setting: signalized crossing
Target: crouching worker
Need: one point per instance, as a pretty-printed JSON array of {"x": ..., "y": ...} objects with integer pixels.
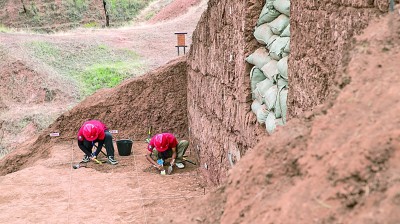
[
  {"x": 93, "y": 131},
  {"x": 165, "y": 146}
]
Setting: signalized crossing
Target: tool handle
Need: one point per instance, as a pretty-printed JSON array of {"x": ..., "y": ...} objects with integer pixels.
[{"x": 97, "y": 161}]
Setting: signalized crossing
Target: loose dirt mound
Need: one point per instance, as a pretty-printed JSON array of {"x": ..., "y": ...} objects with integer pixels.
[
  {"x": 174, "y": 9},
  {"x": 338, "y": 164}
]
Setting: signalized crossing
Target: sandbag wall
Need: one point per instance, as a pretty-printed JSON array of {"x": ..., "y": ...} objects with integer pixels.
[{"x": 269, "y": 76}]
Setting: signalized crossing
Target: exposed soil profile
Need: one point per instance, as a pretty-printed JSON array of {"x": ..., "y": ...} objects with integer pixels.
[{"x": 335, "y": 164}]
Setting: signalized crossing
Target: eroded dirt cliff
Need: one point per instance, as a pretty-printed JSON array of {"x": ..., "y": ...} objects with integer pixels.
[
  {"x": 218, "y": 77},
  {"x": 337, "y": 164},
  {"x": 222, "y": 126},
  {"x": 322, "y": 34}
]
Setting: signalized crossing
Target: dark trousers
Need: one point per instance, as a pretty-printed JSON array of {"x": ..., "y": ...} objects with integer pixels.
[
  {"x": 180, "y": 148},
  {"x": 87, "y": 146}
]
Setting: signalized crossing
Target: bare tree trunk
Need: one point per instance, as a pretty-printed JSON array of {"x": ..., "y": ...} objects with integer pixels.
[
  {"x": 106, "y": 12},
  {"x": 23, "y": 6}
]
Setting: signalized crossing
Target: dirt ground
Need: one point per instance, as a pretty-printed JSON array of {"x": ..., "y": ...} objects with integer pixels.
[
  {"x": 173, "y": 10},
  {"x": 132, "y": 191}
]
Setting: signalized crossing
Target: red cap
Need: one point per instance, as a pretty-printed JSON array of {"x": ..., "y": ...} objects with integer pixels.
[
  {"x": 90, "y": 132},
  {"x": 161, "y": 143}
]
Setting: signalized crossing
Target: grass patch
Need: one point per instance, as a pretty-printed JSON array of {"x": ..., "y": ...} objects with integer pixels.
[
  {"x": 125, "y": 10},
  {"x": 4, "y": 29},
  {"x": 149, "y": 15},
  {"x": 93, "y": 66},
  {"x": 45, "y": 48},
  {"x": 100, "y": 76},
  {"x": 91, "y": 25}
]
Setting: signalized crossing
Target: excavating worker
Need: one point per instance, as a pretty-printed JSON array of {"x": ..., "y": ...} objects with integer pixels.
[
  {"x": 165, "y": 146},
  {"x": 93, "y": 131}
]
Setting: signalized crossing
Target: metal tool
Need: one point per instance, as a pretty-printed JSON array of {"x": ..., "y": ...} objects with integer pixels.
[
  {"x": 148, "y": 135},
  {"x": 170, "y": 169},
  {"x": 77, "y": 166},
  {"x": 98, "y": 161},
  {"x": 100, "y": 151},
  {"x": 189, "y": 161}
]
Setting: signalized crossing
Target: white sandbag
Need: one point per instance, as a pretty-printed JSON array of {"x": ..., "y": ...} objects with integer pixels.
[
  {"x": 262, "y": 88},
  {"x": 277, "y": 47},
  {"x": 283, "y": 6},
  {"x": 283, "y": 94},
  {"x": 279, "y": 24},
  {"x": 270, "y": 70},
  {"x": 270, "y": 124},
  {"x": 282, "y": 83},
  {"x": 256, "y": 76},
  {"x": 279, "y": 122},
  {"x": 280, "y": 103},
  {"x": 262, "y": 114},
  {"x": 271, "y": 40},
  {"x": 284, "y": 54},
  {"x": 255, "y": 106},
  {"x": 270, "y": 97},
  {"x": 263, "y": 33},
  {"x": 259, "y": 58},
  {"x": 282, "y": 66},
  {"x": 268, "y": 13},
  {"x": 287, "y": 47},
  {"x": 286, "y": 32}
]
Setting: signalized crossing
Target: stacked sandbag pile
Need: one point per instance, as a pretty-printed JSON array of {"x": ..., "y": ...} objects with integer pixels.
[{"x": 269, "y": 77}]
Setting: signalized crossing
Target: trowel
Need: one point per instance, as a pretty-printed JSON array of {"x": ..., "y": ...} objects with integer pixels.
[{"x": 170, "y": 169}]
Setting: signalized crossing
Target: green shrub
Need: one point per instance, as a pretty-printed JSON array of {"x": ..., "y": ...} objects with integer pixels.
[
  {"x": 76, "y": 9},
  {"x": 124, "y": 10},
  {"x": 4, "y": 29},
  {"x": 91, "y": 25},
  {"x": 149, "y": 15}
]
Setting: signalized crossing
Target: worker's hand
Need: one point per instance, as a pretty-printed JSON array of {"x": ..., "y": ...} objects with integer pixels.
[
  {"x": 172, "y": 163},
  {"x": 93, "y": 156},
  {"x": 160, "y": 167}
]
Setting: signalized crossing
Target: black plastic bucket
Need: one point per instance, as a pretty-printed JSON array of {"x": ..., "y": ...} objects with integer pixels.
[{"x": 124, "y": 147}]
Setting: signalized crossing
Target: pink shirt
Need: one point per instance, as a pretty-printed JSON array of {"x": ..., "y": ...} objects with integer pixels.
[
  {"x": 102, "y": 127},
  {"x": 172, "y": 142}
]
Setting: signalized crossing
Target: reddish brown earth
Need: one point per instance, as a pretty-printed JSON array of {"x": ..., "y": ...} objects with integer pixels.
[
  {"x": 43, "y": 187},
  {"x": 174, "y": 9},
  {"x": 337, "y": 164},
  {"x": 51, "y": 191},
  {"x": 29, "y": 88}
]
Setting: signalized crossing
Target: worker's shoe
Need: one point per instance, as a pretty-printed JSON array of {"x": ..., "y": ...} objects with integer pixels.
[
  {"x": 180, "y": 165},
  {"x": 85, "y": 159},
  {"x": 112, "y": 161}
]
